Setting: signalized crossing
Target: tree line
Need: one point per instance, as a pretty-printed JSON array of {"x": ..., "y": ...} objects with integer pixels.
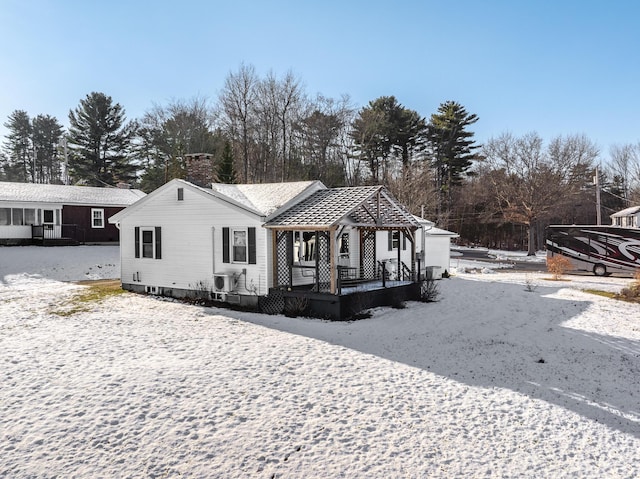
[{"x": 268, "y": 129}]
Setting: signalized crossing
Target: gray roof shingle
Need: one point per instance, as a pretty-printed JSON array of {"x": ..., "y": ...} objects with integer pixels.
[
  {"x": 264, "y": 198},
  {"x": 68, "y": 195},
  {"x": 364, "y": 205}
]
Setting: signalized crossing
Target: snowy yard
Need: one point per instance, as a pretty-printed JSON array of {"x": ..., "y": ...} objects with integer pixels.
[{"x": 508, "y": 375}]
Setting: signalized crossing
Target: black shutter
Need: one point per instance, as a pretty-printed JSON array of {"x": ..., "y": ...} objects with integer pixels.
[
  {"x": 137, "y": 243},
  {"x": 252, "y": 245},
  {"x": 390, "y": 240},
  {"x": 225, "y": 245},
  {"x": 158, "y": 242},
  {"x": 404, "y": 242}
]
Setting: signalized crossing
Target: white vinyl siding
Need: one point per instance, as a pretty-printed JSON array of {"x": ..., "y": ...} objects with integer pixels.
[{"x": 192, "y": 241}]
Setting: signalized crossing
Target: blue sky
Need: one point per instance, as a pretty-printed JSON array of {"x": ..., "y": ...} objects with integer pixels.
[{"x": 555, "y": 67}]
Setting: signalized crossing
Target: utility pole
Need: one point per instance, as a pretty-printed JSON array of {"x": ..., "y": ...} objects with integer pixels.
[{"x": 596, "y": 181}]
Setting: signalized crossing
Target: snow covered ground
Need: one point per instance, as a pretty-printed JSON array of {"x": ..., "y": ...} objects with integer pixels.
[{"x": 508, "y": 375}]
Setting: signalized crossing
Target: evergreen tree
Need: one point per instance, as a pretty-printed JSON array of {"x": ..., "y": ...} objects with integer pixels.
[
  {"x": 18, "y": 164},
  {"x": 452, "y": 148},
  {"x": 46, "y": 134},
  {"x": 226, "y": 172},
  {"x": 383, "y": 129},
  {"x": 100, "y": 142}
]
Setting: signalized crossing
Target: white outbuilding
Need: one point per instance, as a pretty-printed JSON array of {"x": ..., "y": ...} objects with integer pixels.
[{"x": 434, "y": 248}]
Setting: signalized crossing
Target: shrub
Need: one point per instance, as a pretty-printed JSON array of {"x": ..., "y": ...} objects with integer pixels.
[
  {"x": 529, "y": 284},
  {"x": 294, "y": 307},
  {"x": 632, "y": 292},
  {"x": 558, "y": 266},
  {"x": 429, "y": 291}
]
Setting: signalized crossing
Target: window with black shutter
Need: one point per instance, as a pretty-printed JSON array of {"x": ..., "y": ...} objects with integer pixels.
[{"x": 148, "y": 242}]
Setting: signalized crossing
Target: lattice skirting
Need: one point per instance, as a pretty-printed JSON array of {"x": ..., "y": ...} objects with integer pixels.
[{"x": 273, "y": 303}]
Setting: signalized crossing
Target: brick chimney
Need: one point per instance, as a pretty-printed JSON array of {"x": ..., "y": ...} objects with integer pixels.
[{"x": 200, "y": 169}]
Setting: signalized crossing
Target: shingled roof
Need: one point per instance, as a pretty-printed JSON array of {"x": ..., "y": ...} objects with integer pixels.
[
  {"x": 364, "y": 206},
  {"x": 68, "y": 195},
  {"x": 263, "y": 198}
]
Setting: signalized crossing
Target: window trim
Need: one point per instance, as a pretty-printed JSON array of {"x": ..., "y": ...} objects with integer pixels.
[
  {"x": 394, "y": 240},
  {"x": 228, "y": 256},
  {"x": 233, "y": 245},
  {"x": 156, "y": 242},
  {"x": 101, "y": 218}
]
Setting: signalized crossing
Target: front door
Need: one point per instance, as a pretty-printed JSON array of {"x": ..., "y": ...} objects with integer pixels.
[{"x": 48, "y": 225}]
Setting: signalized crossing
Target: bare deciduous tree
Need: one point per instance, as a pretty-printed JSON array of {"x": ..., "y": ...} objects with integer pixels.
[
  {"x": 530, "y": 183},
  {"x": 625, "y": 163},
  {"x": 237, "y": 100}
]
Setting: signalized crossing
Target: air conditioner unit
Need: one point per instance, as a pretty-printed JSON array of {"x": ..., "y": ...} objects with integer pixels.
[{"x": 224, "y": 283}]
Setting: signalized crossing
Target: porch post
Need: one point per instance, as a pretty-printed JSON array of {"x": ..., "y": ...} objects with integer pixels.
[
  {"x": 412, "y": 238},
  {"x": 332, "y": 260},
  {"x": 274, "y": 257},
  {"x": 401, "y": 242}
]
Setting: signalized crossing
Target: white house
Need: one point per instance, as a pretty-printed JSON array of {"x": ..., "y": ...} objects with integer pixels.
[
  {"x": 268, "y": 244},
  {"x": 432, "y": 248},
  {"x": 627, "y": 218},
  {"x": 182, "y": 239}
]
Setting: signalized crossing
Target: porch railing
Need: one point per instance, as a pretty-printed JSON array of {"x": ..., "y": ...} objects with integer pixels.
[{"x": 46, "y": 232}]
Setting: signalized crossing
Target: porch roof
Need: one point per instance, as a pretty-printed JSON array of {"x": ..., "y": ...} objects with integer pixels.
[{"x": 365, "y": 206}]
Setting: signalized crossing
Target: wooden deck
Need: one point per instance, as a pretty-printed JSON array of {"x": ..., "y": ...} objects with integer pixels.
[{"x": 352, "y": 301}]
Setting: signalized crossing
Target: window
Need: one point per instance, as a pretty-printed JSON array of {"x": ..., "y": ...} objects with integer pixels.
[
  {"x": 344, "y": 243},
  {"x": 180, "y": 194},
  {"x": 394, "y": 240},
  {"x": 97, "y": 218},
  {"x": 304, "y": 246},
  {"x": 48, "y": 216},
  {"x": 5, "y": 216},
  {"x": 239, "y": 245},
  {"x": 29, "y": 216},
  {"x": 148, "y": 242},
  {"x": 18, "y": 218}
]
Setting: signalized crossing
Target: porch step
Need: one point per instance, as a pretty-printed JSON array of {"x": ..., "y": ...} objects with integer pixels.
[{"x": 56, "y": 242}]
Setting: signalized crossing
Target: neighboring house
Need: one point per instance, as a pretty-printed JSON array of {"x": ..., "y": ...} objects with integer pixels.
[
  {"x": 627, "y": 218},
  {"x": 434, "y": 247},
  {"x": 33, "y": 213},
  {"x": 271, "y": 245}
]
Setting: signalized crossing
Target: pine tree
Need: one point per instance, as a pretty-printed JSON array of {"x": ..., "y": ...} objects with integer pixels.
[
  {"x": 100, "y": 142},
  {"x": 46, "y": 134},
  {"x": 226, "y": 172},
  {"x": 384, "y": 130},
  {"x": 453, "y": 148},
  {"x": 19, "y": 148}
]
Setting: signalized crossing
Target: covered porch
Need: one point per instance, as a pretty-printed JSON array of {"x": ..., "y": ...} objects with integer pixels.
[{"x": 325, "y": 257}]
